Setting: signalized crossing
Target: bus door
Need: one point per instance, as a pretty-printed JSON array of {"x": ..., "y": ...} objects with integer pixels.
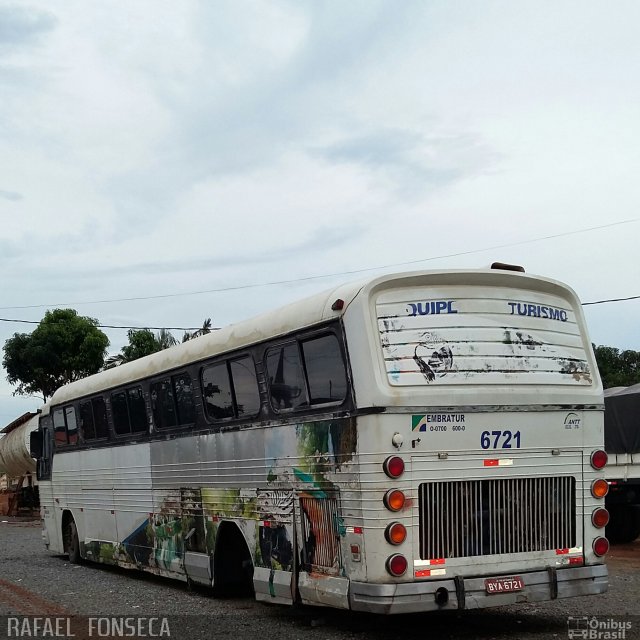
[{"x": 41, "y": 445}]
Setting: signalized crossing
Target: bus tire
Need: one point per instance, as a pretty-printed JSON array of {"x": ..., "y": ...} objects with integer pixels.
[{"x": 73, "y": 543}]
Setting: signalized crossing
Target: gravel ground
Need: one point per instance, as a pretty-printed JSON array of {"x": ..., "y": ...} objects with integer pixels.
[{"x": 34, "y": 581}]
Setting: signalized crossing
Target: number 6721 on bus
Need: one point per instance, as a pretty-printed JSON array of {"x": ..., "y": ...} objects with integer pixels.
[{"x": 500, "y": 440}]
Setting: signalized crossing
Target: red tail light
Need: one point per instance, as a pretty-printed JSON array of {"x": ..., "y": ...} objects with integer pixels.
[
  {"x": 396, "y": 565},
  {"x": 600, "y": 546},
  {"x": 393, "y": 466},
  {"x": 599, "y": 459},
  {"x": 600, "y": 518}
]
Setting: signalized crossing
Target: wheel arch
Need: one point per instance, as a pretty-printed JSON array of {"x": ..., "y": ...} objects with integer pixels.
[{"x": 233, "y": 560}]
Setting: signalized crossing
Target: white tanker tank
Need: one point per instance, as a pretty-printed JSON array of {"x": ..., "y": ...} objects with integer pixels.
[{"x": 15, "y": 459}]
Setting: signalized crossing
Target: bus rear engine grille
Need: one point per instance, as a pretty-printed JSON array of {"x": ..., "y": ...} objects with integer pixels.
[{"x": 487, "y": 517}]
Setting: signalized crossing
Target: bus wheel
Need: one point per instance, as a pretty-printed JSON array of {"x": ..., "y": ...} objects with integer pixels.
[
  {"x": 233, "y": 566},
  {"x": 72, "y": 542}
]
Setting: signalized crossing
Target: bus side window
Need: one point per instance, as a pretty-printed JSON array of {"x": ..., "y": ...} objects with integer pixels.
[
  {"x": 216, "y": 388},
  {"x": 286, "y": 378},
  {"x": 184, "y": 398},
  {"x": 93, "y": 419},
  {"x": 325, "y": 369},
  {"x": 137, "y": 410},
  {"x": 100, "y": 417},
  {"x": 245, "y": 386},
  {"x": 86, "y": 421},
  {"x": 60, "y": 428},
  {"x": 163, "y": 404},
  {"x": 72, "y": 425},
  {"x": 172, "y": 401},
  {"x": 120, "y": 413},
  {"x": 129, "y": 411}
]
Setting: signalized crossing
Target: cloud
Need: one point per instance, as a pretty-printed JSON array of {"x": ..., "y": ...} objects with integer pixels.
[
  {"x": 21, "y": 25},
  {"x": 11, "y": 195},
  {"x": 413, "y": 159}
]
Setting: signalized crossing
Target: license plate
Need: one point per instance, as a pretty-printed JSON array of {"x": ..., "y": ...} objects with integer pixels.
[{"x": 503, "y": 585}]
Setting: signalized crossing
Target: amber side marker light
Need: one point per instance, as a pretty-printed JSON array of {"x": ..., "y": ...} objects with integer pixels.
[
  {"x": 599, "y": 488},
  {"x": 396, "y": 565},
  {"x": 599, "y": 459},
  {"x": 395, "y": 533},
  {"x": 394, "y": 499},
  {"x": 600, "y": 546},
  {"x": 600, "y": 518}
]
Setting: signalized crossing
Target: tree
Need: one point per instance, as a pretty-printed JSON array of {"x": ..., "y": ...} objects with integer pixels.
[
  {"x": 618, "y": 369},
  {"x": 203, "y": 330},
  {"x": 63, "y": 347},
  {"x": 143, "y": 342}
]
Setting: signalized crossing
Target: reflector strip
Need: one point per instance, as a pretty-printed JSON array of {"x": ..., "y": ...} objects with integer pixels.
[
  {"x": 498, "y": 462},
  {"x": 428, "y": 573},
  {"x": 579, "y": 560},
  {"x": 354, "y": 529},
  {"x": 561, "y": 552},
  {"x": 428, "y": 563}
]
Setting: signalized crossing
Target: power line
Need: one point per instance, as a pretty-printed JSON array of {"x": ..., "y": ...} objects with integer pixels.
[
  {"x": 113, "y": 326},
  {"x": 584, "y": 304},
  {"x": 326, "y": 275},
  {"x": 116, "y": 326}
]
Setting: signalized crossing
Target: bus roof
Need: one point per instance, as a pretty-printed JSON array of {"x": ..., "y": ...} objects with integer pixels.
[{"x": 299, "y": 315}]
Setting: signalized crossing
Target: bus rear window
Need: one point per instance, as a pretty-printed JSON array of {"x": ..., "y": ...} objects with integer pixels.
[{"x": 482, "y": 335}]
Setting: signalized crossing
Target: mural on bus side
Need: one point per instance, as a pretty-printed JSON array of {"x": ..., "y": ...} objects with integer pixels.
[
  {"x": 300, "y": 468},
  {"x": 322, "y": 449}
]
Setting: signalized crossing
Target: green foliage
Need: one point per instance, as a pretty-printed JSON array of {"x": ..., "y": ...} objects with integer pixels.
[
  {"x": 142, "y": 342},
  {"x": 64, "y": 347},
  {"x": 618, "y": 368},
  {"x": 202, "y": 331}
]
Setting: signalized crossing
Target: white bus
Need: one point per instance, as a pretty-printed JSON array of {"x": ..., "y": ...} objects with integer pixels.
[{"x": 419, "y": 441}]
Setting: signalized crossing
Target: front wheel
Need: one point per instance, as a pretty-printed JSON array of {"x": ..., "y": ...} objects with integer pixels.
[{"x": 73, "y": 543}]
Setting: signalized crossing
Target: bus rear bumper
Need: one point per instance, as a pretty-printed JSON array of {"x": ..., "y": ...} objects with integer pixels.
[{"x": 470, "y": 593}]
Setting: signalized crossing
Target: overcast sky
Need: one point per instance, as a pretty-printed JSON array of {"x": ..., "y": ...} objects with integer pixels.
[{"x": 150, "y": 148}]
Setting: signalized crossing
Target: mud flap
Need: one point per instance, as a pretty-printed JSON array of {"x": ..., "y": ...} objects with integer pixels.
[
  {"x": 320, "y": 589},
  {"x": 198, "y": 567},
  {"x": 273, "y": 585}
]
